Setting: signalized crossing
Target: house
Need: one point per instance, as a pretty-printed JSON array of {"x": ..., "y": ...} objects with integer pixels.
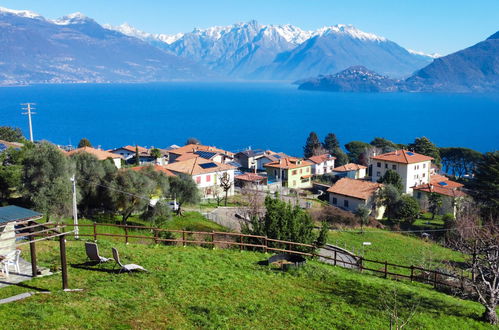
[
  {"x": 155, "y": 167},
  {"x": 145, "y": 157},
  {"x": 198, "y": 150},
  {"x": 205, "y": 173},
  {"x": 99, "y": 154},
  {"x": 322, "y": 164},
  {"x": 255, "y": 160},
  {"x": 292, "y": 172},
  {"x": 413, "y": 168},
  {"x": 4, "y": 145},
  {"x": 450, "y": 191},
  {"x": 350, "y": 170},
  {"x": 249, "y": 179},
  {"x": 10, "y": 217},
  {"x": 349, "y": 193}
]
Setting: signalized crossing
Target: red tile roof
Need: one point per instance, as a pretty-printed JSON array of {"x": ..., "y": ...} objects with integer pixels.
[
  {"x": 403, "y": 156},
  {"x": 355, "y": 188},
  {"x": 193, "y": 166},
  {"x": 158, "y": 168},
  {"x": 288, "y": 163},
  {"x": 349, "y": 167},
  {"x": 442, "y": 185},
  {"x": 100, "y": 154},
  {"x": 320, "y": 158},
  {"x": 198, "y": 147},
  {"x": 252, "y": 177}
]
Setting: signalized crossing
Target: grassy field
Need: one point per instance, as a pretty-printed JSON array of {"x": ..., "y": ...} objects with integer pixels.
[{"x": 192, "y": 288}]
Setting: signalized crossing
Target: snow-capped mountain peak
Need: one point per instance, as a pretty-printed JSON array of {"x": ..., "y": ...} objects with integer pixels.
[
  {"x": 22, "y": 13},
  {"x": 349, "y": 30},
  {"x": 74, "y": 18},
  {"x": 131, "y": 31},
  {"x": 433, "y": 55}
]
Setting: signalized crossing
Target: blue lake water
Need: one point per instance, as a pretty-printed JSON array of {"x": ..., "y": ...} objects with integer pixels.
[{"x": 238, "y": 115}]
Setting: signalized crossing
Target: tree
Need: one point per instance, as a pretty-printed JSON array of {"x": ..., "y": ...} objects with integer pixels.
[
  {"x": 383, "y": 144},
  {"x": 485, "y": 185},
  {"x": 184, "y": 190},
  {"x": 332, "y": 146},
  {"x": 84, "y": 142},
  {"x": 11, "y": 170},
  {"x": 158, "y": 214},
  {"x": 481, "y": 246},
  {"x": 192, "y": 140},
  {"x": 424, "y": 146},
  {"x": 356, "y": 149},
  {"x": 323, "y": 233},
  {"x": 460, "y": 161},
  {"x": 407, "y": 209},
  {"x": 137, "y": 155},
  {"x": 388, "y": 196},
  {"x": 154, "y": 152},
  {"x": 132, "y": 192},
  {"x": 46, "y": 180},
  {"x": 312, "y": 146},
  {"x": 362, "y": 213},
  {"x": 226, "y": 184},
  {"x": 393, "y": 178},
  {"x": 11, "y": 134},
  {"x": 435, "y": 201}
]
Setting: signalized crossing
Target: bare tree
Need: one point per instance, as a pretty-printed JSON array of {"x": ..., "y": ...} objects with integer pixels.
[
  {"x": 217, "y": 194},
  {"x": 253, "y": 202},
  {"x": 226, "y": 184},
  {"x": 400, "y": 309},
  {"x": 481, "y": 245}
]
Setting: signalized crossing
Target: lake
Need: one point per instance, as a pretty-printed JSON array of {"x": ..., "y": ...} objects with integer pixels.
[{"x": 239, "y": 115}]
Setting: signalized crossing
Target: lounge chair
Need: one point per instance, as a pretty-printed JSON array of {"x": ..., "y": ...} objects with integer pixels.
[
  {"x": 92, "y": 251},
  {"x": 130, "y": 267},
  {"x": 12, "y": 258}
]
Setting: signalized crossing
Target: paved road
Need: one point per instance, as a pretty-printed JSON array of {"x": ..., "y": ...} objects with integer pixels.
[{"x": 344, "y": 258}]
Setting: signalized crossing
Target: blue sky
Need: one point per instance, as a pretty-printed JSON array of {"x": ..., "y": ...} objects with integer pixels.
[{"x": 441, "y": 26}]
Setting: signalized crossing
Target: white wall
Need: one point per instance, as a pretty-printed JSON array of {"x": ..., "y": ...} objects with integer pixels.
[
  {"x": 214, "y": 180},
  {"x": 7, "y": 239},
  {"x": 411, "y": 174}
]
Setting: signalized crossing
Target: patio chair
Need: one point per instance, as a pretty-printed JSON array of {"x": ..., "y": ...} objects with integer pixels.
[
  {"x": 92, "y": 251},
  {"x": 129, "y": 267},
  {"x": 11, "y": 259}
]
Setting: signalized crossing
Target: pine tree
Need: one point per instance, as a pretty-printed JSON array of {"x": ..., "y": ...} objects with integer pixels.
[
  {"x": 393, "y": 178},
  {"x": 425, "y": 147},
  {"x": 332, "y": 145},
  {"x": 312, "y": 145},
  {"x": 137, "y": 156},
  {"x": 84, "y": 142}
]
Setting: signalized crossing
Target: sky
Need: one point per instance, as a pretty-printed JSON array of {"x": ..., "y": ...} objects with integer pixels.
[{"x": 431, "y": 26}]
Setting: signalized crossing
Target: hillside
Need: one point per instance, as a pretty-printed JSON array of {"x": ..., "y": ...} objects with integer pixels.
[
  {"x": 204, "y": 288},
  {"x": 77, "y": 49}
]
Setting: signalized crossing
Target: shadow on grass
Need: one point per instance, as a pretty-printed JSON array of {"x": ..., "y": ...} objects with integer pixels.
[
  {"x": 26, "y": 286},
  {"x": 92, "y": 266}
]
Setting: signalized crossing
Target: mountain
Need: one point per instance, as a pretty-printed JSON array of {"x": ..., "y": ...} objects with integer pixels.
[
  {"x": 474, "y": 69},
  {"x": 255, "y": 51},
  {"x": 336, "y": 48},
  {"x": 353, "y": 79},
  {"x": 77, "y": 49}
]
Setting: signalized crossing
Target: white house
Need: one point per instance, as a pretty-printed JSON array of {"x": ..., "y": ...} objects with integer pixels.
[
  {"x": 413, "y": 168},
  {"x": 205, "y": 173},
  {"x": 349, "y": 194},
  {"x": 129, "y": 152},
  {"x": 350, "y": 170},
  {"x": 99, "y": 154},
  {"x": 322, "y": 164}
]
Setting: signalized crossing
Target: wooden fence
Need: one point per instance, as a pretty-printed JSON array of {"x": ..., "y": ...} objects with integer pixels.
[{"x": 262, "y": 243}]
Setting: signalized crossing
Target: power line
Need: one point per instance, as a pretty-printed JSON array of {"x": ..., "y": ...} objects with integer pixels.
[
  {"x": 115, "y": 189},
  {"x": 29, "y": 107}
]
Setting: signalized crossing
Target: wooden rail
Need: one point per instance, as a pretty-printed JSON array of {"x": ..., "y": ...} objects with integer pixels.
[{"x": 265, "y": 244}]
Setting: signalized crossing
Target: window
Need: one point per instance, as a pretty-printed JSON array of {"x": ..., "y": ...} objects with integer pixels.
[
  {"x": 307, "y": 170},
  {"x": 345, "y": 203},
  {"x": 294, "y": 183},
  {"x": 424, "y": 165},
  {"x": 419, "y": 195},
  {"x": 294, "y": 172},
  {"x": 335, "y": 201},
  {"x": 379, "y": 164},
  {"x": 378, "y": 173},
  {"x": 394, "y": 167},
  {"x": 424, "y": 175},
  {"x": 301, "y": 170},
  {"x": 386, "y": 165},
  {"x": 198, "y": 180},
  {"x": 208, "y": 178}
]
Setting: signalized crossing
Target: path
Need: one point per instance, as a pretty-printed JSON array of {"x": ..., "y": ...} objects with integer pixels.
[{"x": 344, "y": 258}]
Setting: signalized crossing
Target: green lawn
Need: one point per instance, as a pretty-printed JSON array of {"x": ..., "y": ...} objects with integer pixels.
[{"x": 192, "y": 288}]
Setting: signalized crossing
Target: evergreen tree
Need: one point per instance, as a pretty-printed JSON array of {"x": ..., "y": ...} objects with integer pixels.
[
  {"x": 384, "y": 145},
  {"x": 137, "y": 155},
  {"x": 184, "y": 190},
  {"x": 84, "y": 142},
  {"x": 11, "y": 134},
  {"x": 362, "y": 213},
  {"x": 192, "y": 140},
  {"x": 485, "y": 185},
  {"x": 435, "y": 201},
  {"x": 356, "y": 149},
  {"x": 424, "y": 146},
  {"x": 312, "y": 145},
  {"x": 323, "y": 234},
  {"x": 407, "y": 209},
  {"x": 332, "y": 146},
  {"x": 393, "y": 178},
  {"x": 154, "y": 152}
]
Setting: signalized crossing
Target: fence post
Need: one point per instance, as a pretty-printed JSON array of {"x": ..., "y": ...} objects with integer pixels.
[
  {"x": 183, "y": 238},
  {"x": 265, "y": 247},
  {"x": 386, "y": 269},
  {"x": 434, "y": 279},
  {"x": 213, "y": 239},
  {"x": 126, "y": 234},
  {"x": 155, "y": 230},
  {"x": 360, "y": 264},
  {"x": 240, "y": 243},
  {"x": 335, "y": 252},
  {"x": 412, "y": 272},
  {"x": 95, "y": 232}
]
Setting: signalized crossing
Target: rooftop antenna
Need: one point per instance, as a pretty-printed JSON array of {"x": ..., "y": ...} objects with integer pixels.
[{"x": 29, "y": 107}]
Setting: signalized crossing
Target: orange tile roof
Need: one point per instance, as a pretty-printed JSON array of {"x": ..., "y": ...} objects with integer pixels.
[
  {"x": 100, "y": 154},
  {"x": 442, "y": 185},
  {"x": 355, "y": 188},
  {"x": 288, "y": 163},
  {"x": 349, "y": 167},
  {"x": 192, "y": 166},
  {"x": 156, "y": 167},
  {"x": 198, "y": 147},
  {"x": 320, "y": 158},
  {"x": 403, "y": 156},
  {"x": 186, "y": 156},
  {"x": 250, "y": 177}
]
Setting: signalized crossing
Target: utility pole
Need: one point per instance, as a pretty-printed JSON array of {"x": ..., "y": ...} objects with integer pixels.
[
  {"x": 29, "y": 107},
  {"x": 75, "y": 209}
]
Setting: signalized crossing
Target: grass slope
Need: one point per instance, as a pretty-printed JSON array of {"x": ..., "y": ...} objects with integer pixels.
[{"x": 203, "y": 288}]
